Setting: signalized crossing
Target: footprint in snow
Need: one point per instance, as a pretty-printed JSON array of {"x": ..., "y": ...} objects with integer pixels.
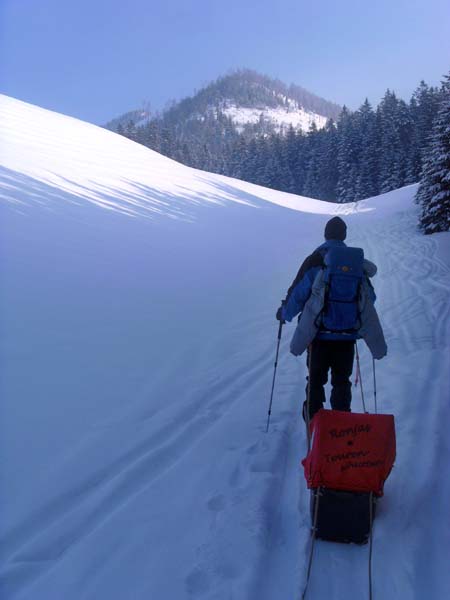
[
  {"x": 262, "y": 466},
  {"x": 252, "y": 450},
  {"x": 235, "y": 477},
  {"x": 197, "y": 582},
  {"x": 258, "y": 448},
  {"x": 216, "y": 503},
  {"x": 228, "y": 570}
]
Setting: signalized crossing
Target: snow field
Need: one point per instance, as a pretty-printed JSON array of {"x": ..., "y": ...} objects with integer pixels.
[{"x": 137, "y": 346}]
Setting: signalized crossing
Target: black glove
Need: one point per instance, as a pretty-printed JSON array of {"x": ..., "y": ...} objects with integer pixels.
[{"x": 279, "y": 315}]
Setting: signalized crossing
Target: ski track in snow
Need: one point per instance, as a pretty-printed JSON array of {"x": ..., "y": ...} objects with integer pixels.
[
  {"x": 179, "y": 493},
  {"x": 46, "y": 536},
  {"x": 413, "y": 288},
  {"x": 416, "y": 315},
  {"x": 79, "y": 511}
]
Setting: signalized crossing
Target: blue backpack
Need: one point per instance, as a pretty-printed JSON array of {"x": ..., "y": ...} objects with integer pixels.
[{"x": 344, "y": 272}]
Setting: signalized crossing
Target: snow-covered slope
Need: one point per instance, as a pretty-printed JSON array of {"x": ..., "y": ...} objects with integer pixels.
[
  {"x": 136, "y": 354},
  {"x": 94, "y": 164},
  {"x": 281, "y": 118}
]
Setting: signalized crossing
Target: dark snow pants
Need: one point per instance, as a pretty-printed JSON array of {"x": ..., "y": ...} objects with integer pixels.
[{"x": 337, "y": 356}]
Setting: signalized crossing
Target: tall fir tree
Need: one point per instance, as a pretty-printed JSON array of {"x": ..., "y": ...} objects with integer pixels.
[
  {"x": 433, "y": 193},
  {"x": 312, "y": 179},
  {"x": 300, "y": 162},
  {"x": 329, "y": 172},
  {"x": 237, "y": 162},
  {"x": 367, "y": 179},
  {"x": 290, "y": 158},
  {"x": 390, "y": 145},
  {"x": 262, "y": 168},
  {"x": 423, "y": 108},
  {"x": 347, "y": 157},
  {"x": 405, "y": 135},
  {"x": 250, "y": 165},
  {"x": 130, "y": 130}
]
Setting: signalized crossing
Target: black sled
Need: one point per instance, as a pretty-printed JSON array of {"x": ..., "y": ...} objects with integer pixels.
[{"x": 344, "y": 517}]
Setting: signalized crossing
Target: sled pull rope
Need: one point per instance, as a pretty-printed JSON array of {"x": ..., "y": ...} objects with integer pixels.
[
  {"x": 313, "y": 539},
  {"x": 370, "y": 543},
  {"x": 308, "y": 399},
  {"x": 358, "y": 371},
  {"x": 374, "y": 386}
]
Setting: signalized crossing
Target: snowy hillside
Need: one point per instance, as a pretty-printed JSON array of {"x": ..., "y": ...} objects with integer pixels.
[
  {"x": 281, "y": 118},
  {"x": 93, "y": 164},
  {"x": 136, "y": 355}
]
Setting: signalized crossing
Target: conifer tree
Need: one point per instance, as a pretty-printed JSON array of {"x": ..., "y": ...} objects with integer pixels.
[
  {"x": 367, "y": 179},
  {"x": 312, "y": 179},
  {"x": 390, "y": 146},
  {"x": 237, "y": 164},
  {"x": 186, "y": 157},
  {"x": 151, "y": 136},
  {"x": 433, "y": 193},
  {"x": 405, "y": 135},
  {"x": 250, "y": 166},
  {"x": 261, "y": 171},
  {"x": 423, "y": 108},
  {"x": 328, "y": 177},
  {"x": 347, "y": 157},
  {"x": 130, "y": 130},
  {"x": 288, "y": 159}
]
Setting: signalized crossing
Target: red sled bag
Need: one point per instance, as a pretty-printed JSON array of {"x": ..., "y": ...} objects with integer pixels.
[{"x": 350, "y": 451}]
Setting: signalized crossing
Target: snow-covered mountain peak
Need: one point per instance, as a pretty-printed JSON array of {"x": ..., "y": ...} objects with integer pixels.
[{"x": 248, "y": 99}]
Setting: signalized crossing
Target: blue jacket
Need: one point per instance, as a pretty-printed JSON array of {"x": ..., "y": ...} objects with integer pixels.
[
  {"x": 300, "y": 291},
  {"x": 308, "y": 329}
]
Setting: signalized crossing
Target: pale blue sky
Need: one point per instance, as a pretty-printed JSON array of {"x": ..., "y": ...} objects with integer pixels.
[{"x": 95, "y": 59}]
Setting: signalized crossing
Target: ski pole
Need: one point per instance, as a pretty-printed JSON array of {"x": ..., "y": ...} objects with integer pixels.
[
  {"x": 374, "y": 386},
  {"x": 274, "y": 375}
]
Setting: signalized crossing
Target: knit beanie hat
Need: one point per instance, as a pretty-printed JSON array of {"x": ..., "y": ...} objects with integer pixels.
[{"x": 336, "y": 229}]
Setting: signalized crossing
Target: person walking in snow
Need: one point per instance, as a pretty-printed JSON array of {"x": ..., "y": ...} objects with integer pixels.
[{"x": 333, "y": 293}]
